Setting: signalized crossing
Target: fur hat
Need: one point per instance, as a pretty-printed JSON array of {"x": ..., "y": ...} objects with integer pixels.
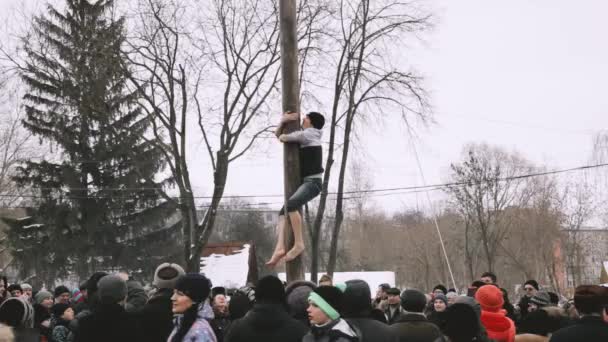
[
  {"x": 316, "y": 119},
  {"x": 111, "y": 289},
  {"x": 41, "y": 296},
  {"x": 270, "y": 289},
  {"x": 328, "y": 299},
  {"x": 59, "y": 308},
  {"x": 297, "y": 298},
  {"x": 166, "y": 275},
  {"x": 61, "y": 289},
  {"x": 26, "y": 286},
  {"x": 541, "y": 299},
  {"x": 194, "y": 285},
  {"x": 490, "y": 298},
  {"x": 413, "y": 301},
  {"x": 17, "y": 313},
  {"x": 589, "y": 299}
]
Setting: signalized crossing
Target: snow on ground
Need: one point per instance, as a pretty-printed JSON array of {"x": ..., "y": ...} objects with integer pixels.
[
  {"x": 229, "y": 271},
  {"x": 373, "y": 279}
]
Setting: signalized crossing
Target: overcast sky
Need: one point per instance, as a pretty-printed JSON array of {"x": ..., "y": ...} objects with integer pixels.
[{"x": 522, "y": 74}]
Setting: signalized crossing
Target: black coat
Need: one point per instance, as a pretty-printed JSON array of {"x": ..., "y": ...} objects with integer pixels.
[
  {"x": 392, "y": 316},
  {"x": 41, "y": 314},
  {"x": 156, "y": 317},
  {"x": 268, "y": 323},
  {"x": 587, "y": 329},
  {"x": 108, "y": 323},
  {"x": 372, "y": 330},
  {"x": 415, "y": 328}
]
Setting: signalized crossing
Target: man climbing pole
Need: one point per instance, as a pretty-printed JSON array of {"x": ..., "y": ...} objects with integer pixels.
[{"x": 311, "y": 173}]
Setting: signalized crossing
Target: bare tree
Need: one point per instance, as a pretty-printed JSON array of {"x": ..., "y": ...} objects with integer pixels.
[
  {"x": 365, "y": 82},
  {"x": 578, "y": 207},
  {"x": 487, "y": 184}
]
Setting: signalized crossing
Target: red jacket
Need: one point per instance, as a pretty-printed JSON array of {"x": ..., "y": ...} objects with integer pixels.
[{"x": 498, "y": 326}]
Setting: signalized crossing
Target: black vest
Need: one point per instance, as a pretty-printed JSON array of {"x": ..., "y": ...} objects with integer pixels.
[{"x": 311, "y": 160}]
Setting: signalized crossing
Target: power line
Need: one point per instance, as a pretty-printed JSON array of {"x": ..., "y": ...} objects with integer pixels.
[{"x": 431, "y": 187}]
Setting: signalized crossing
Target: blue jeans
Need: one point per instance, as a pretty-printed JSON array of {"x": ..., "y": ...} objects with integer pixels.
[{"x": 310, "y": 188}]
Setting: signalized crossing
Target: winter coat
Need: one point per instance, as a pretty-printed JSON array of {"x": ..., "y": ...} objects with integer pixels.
[
  {"x": 60, "y": 332},
  {"x": 136, "y": 296},
  {"x": 415, "y": 328},
  {"x": 392, "y": 315},
  {"x": 220, "y": 324},
  {"x": 266, "y": 322},
  {"x": 108, "y": 323},
  {"x": 587, "y": 329},
  {"x": 201, "y": 330},
  {"x": 523, "y": 305},
  {"x": 338, "y": 330},
  {"x": 157, "y": 317},
  {"x": 359, "y": 313},
  {"x": 437, "y": 318},
  {"x": 42, "y": 314},
  {"x": 498, "y": 326}
]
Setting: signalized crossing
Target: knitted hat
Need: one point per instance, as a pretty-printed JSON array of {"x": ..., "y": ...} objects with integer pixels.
[
  {"x": 166, "y": 275},
  {"x": 111, "y": 289},
  {"x": 393, "y": 291},
  {"x": 541, "y": 299},
  {"x": 26, "y": 286},
  {"x": 59, "y": 290},
  {"x": 328, "y": 299},
  {"x": 297, "y": 298},
  {"x": 77, "y": 296},
  {"x": 17, "y": 313},
  {"x": 41, "y": 296},
  {"x": 442, "y": 298},
  {"x": 451, "y": 295},
  {"x": 413, "y": 301},
  {"x": 462, "y": 323},
  {"x": 441, "y": 287},
  {"x": 194, "y": 285},
  {"x": 490, "y": 298},
  {"x": 316, "y": 119},
  {"x": 270, "y": 289},
  {"x": 532, "y": 283},
  {"x": 59, "y": 308}
]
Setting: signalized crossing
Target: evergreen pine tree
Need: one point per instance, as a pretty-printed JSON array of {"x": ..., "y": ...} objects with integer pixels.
[{"x": 98, "y": 200}]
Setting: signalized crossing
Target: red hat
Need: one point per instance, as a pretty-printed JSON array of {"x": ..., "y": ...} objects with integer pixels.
[{"x": 490, "y": 298}]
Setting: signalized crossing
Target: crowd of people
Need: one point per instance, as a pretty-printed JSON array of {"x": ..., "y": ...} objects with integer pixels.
[{"x": 186, "y": 307}]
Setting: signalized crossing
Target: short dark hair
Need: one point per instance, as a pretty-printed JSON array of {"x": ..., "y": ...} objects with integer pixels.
[
  {"x": 591, "y": 299},
  {"x": 532, "y": 283},
  {"x": 441, "y": 288},
  {"x": 491, "y": 275},
  {"x": 316, "y": 119},
  {"x": 478, "y": 284}
]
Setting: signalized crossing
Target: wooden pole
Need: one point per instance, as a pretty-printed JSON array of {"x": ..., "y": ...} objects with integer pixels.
[{"x": 290, "y": 85}]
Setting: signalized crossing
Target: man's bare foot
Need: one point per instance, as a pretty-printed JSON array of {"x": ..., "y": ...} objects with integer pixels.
[
  {"x": 276, "y": 257},
  {"x": 296, "y": 250}
]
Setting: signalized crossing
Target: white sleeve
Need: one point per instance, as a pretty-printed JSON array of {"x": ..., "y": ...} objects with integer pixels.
[{"x": 296, "y": 137}]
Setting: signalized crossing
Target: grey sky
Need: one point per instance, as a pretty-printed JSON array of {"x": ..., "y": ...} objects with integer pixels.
[{"x": 522, "y": 74}]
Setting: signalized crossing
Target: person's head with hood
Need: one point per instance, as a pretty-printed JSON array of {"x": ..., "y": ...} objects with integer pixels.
[
  {"x": 111, "y": 290},
  {"x": 297, "y": 294},
  {"x": 413, "y": 301},
  {"x": 357, "y": 302},
  {"x": 17, "y": 313},
  {"x": 91, "y": 286},
  {"x": 462, "y": 323}
]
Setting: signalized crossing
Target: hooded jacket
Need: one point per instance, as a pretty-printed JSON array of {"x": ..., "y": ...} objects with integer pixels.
[
  {"x": 336, "y": 331},
  {"x": 201, "y": 330},
  {"x": 498, "y": 326},
  {"x": 357, "y": 310},
  {"x": 267, "y": 322},
  {"x": 157, "y": 317},
  {"x": 412, "y": 327}
]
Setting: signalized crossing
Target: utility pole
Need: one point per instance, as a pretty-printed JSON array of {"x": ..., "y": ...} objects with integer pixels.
[{"x": 291, "y": 160}]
